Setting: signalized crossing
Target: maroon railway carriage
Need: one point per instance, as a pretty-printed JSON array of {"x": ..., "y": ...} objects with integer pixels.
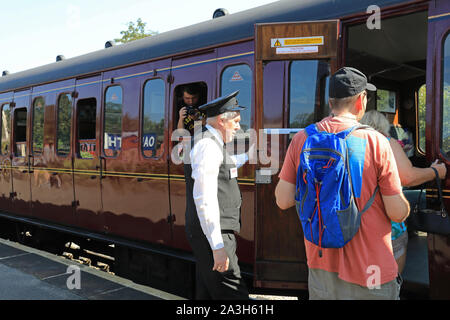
[{"x": 86, "y": 142}]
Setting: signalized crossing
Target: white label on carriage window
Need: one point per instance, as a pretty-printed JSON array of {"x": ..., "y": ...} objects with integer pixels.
[
  {"x": 233, "y": 173},
  {"x": 293, "y": 50}
]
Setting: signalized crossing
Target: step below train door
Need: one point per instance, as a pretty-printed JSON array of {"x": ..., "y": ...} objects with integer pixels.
[{"x": 293, "y": 64}]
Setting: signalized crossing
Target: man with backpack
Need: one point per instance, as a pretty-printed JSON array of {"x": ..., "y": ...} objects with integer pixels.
[{"x": 344, "y": 181}]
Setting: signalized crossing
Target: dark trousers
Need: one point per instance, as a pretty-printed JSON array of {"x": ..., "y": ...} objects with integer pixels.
[{"x": 213, "y": 284}]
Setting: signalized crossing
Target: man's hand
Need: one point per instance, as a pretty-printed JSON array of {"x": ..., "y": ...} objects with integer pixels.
[
  {"x": 221, "y": 260},
  {"x": 183, "y": 113}
]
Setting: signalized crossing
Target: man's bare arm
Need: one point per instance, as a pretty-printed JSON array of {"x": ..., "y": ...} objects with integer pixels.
[{"x": 285, "y": 194}]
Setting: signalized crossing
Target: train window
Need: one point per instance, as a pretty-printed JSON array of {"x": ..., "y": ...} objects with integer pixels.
[
  {"x": 421, "y": 120},
  {"x": 308, "y": 81},
  {"x": 113, "y": 121},
  {"x": 86, "y": 116},
  {"x": 20, "y": 131},
  {"x": 189, "y": 94},
  {"x": 6, "y": 129},
  {"x": 239, "y": 77},
  {"x": 64, "y": 124},
  {"x": 445, "y": 126},
  {"x": 38, "y": 125},
  {"x": 153, "y": 118}
]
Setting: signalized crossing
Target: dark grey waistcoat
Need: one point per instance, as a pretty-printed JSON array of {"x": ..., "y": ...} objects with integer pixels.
[{"x": 228, "y": 194}]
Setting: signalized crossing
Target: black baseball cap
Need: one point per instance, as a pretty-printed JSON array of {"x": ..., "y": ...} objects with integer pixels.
[
  {"x": 347, "y": 82},
  {"x": 221, "y": 105}
]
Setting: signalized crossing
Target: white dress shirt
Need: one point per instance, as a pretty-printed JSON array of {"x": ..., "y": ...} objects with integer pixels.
[{"x": 206, "y": 159}]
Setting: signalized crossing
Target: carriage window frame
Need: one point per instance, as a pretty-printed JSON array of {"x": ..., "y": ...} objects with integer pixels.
[
  {"x": 445, "y": 108},
  {"x": 419, "y": 136},
  {"x": 23, "y": 143},
  {"x": 249, "y": 107},
  {"x": 33, "y": 126},
  {"x": 58, "y": 153},
  {"x": 86, "y": 148},
  {"x": 116, "y": 152},
  {"x": 142, "y": 128},
  {"x": 1, "y": 129}
]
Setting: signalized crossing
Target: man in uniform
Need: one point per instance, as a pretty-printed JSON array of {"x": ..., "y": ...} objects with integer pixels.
[{"x": 213, "y": 202}]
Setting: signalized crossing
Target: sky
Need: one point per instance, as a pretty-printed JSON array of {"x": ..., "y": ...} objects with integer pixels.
[{"x": 33, "y": 33}]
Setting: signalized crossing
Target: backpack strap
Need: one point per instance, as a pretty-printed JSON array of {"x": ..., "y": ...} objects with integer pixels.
[
  {"x": 346, "y": 133},
  {"x": 371, "y": 200},
  {"x": 311, "y": 130}
]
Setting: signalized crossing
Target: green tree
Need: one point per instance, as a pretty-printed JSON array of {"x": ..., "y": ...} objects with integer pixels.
[{"x": 135, "y": 32}]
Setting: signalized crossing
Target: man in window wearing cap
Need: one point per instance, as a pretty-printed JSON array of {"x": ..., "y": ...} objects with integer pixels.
[
  {"x": 213, "y": 202},
  {"x": 365, "y": 267}
]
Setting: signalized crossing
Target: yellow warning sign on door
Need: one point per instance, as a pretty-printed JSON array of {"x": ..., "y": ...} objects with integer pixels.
[{"x": 298, "y": 41}]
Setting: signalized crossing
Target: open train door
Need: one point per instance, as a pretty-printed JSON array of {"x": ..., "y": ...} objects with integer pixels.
[
  {"x": 438, "y": 139},
  {"x": 293, "y": 64}
]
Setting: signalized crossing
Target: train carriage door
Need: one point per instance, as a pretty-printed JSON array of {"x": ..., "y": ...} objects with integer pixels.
[
  {"x": 199, "y": 73},
  {"x": 135, "y": 189},
  {"x": 87, "y": 162},
  {"x": 293, "y": 62},
  {"x": 51, "y": 152},
  {"x": 438, "y": 137},
  {"x": 20, "y": 165}
]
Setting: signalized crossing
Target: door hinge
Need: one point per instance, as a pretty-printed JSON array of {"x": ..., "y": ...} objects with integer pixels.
[
  {"x": 171, "y": 218},
  {"x": 75, "y": 203}
]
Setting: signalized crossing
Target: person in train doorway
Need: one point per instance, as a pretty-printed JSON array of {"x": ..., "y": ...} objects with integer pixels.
[
  {"x": 213, "y": 202},
  {"x": 364, "y": 267},
  {"x": 189, "y": 112},
  {"x": 410, "y": 176}
]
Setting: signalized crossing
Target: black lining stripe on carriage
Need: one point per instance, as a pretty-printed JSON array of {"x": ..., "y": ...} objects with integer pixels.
[
  {"x": 142, "y": 175},
  {"x": 133, "y": 175}
]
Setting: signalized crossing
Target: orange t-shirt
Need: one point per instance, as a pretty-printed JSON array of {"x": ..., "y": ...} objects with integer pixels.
[{"x": 369, "y": 254}]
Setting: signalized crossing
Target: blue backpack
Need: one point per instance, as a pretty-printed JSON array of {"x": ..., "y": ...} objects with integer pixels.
[{"x": 324, "y": 196}]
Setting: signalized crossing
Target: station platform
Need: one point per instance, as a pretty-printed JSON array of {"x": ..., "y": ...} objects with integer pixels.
[{"x": 30, "y": 274}]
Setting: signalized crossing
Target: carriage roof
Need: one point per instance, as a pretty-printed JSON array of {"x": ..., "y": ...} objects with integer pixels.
[{"x": 209, "y": 33}]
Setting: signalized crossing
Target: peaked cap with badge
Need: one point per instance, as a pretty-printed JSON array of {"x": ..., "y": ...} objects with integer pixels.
[{"x": 221, "y": 105}]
